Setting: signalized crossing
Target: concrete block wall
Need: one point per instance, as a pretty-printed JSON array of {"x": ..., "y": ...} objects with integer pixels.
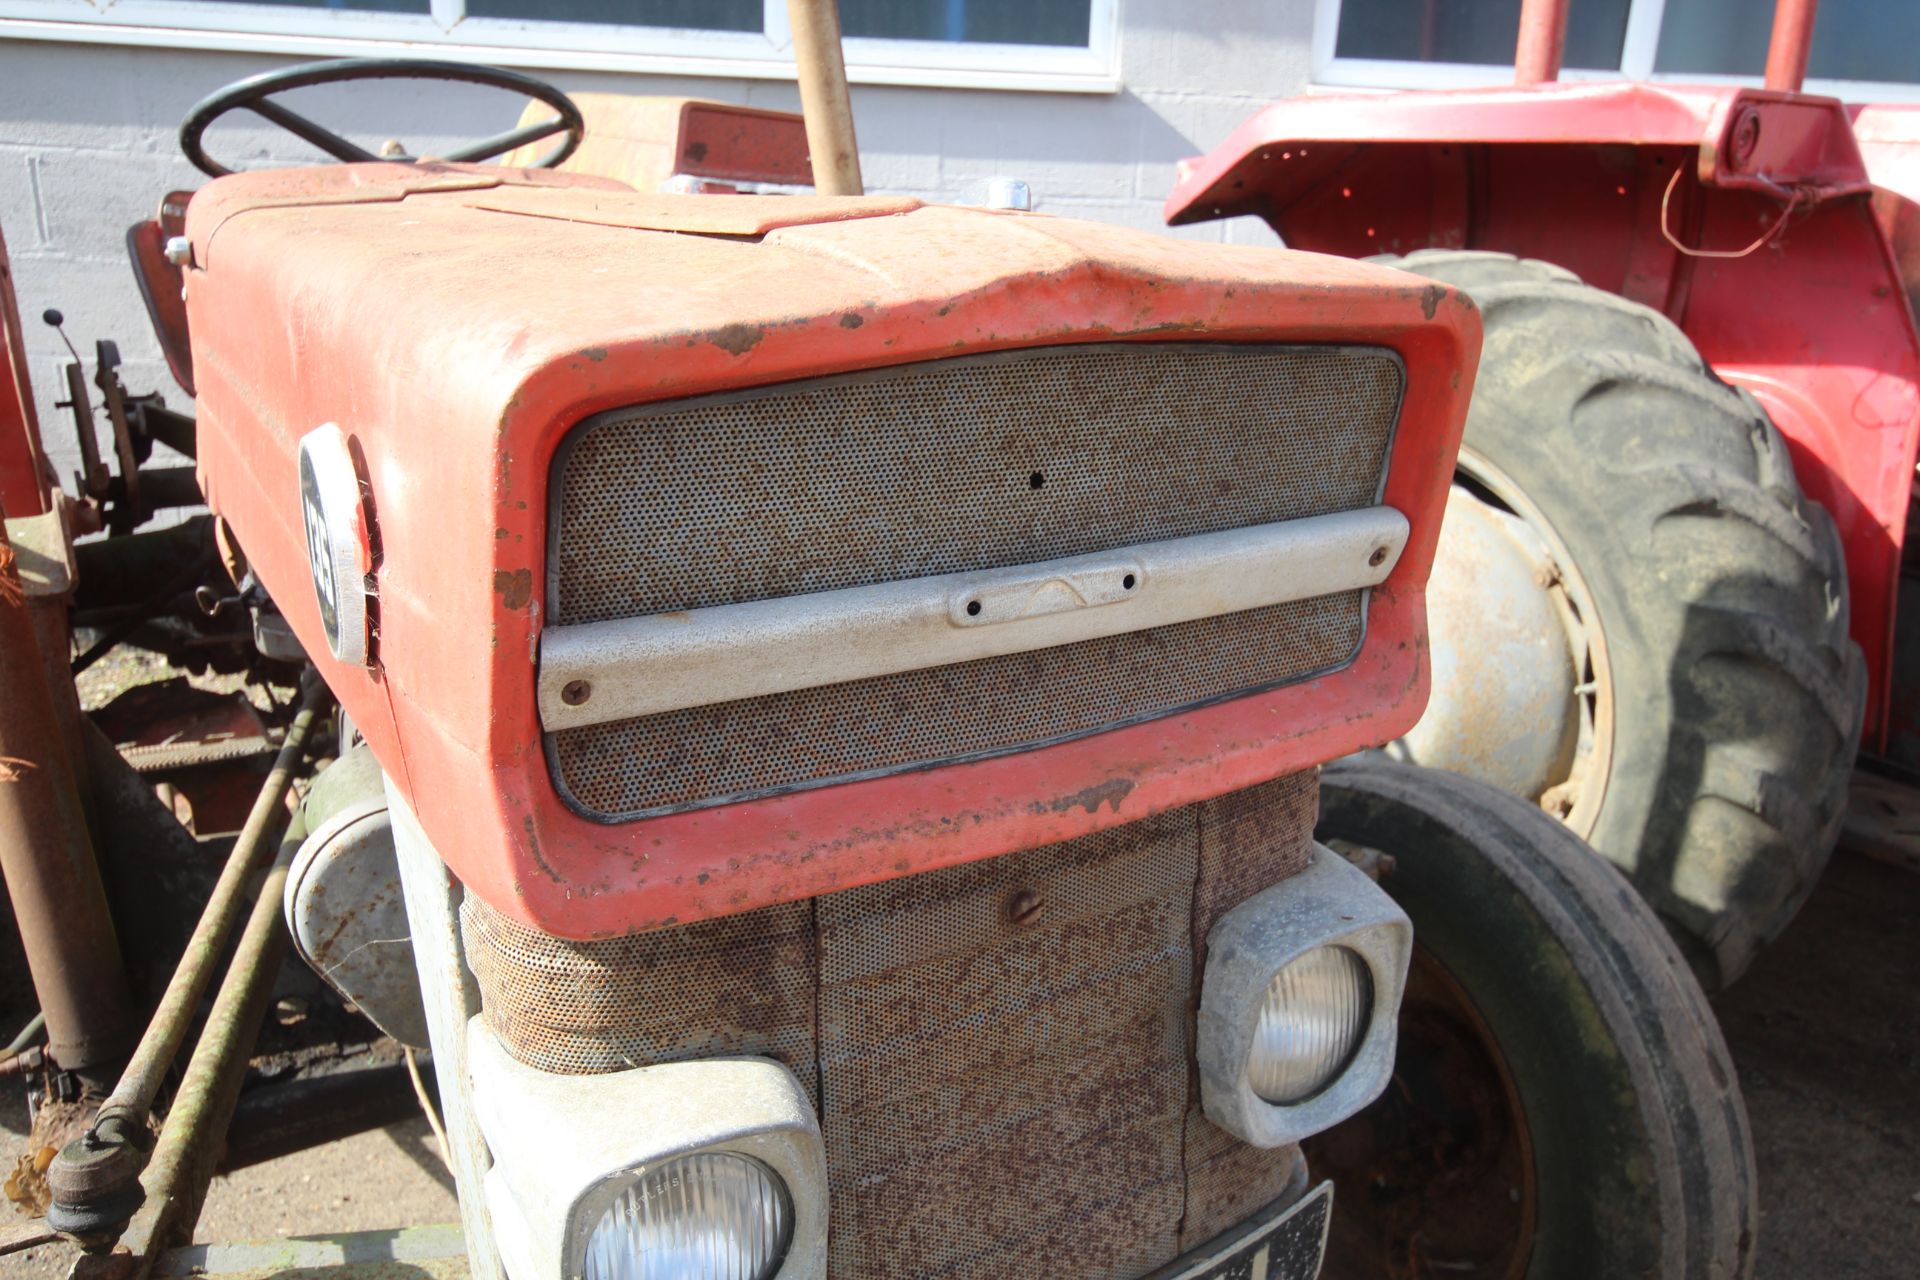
[{"x": 88, "y": 147}]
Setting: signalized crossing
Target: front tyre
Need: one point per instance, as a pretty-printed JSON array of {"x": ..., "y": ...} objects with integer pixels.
[{"x": 1563, "y": 1105}]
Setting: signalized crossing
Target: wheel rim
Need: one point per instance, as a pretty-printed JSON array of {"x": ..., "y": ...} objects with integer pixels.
[
  {"x": 1460, "y": 732},
  {"x": 1437, "y": 1177}
]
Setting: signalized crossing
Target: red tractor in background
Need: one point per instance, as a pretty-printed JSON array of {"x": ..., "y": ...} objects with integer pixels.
[
  {"x": 1669, "y": 602},
  {"x": 832, "y": 696}
]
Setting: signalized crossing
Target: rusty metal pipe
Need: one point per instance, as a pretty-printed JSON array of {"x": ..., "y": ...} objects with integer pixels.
[
  {"x": 94, "y": 1178},
  {"x": 1543, "y": 40},
  {"x": 824, "y": 100},
  {"x": 140, "y": 1082},
  {"x": 46, "y": 853},
  {"x": 183, "y": 1159},
  {"x": 1791, "y": 43}
]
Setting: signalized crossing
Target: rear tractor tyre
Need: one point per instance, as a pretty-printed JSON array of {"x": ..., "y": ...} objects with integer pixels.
[
  {"x": 1562, "y": 1105},
  {"x": 1638, "y": 620}
]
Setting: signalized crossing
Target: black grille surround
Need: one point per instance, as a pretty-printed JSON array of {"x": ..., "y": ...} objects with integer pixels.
[{"x": 975, "y": 462}]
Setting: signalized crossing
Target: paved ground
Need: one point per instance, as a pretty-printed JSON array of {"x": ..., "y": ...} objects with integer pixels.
[{"x": 1826, "y": 1032}]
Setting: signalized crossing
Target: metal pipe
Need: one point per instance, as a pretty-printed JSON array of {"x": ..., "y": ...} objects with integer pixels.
[
  {"x": 824, "y": 100},
  {"x": 47, "y": 856},
  {"x": 1791, "y": 43},
  {"x": 183, "y": 1160},
  {"x": 1543, "y": 40},
  {"x": 94, "y": 1178},
  {"x": 133, "y": 1096}
]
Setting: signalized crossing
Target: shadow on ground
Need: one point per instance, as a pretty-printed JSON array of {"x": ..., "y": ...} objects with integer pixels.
[{"x": 1825, "y": 1029}]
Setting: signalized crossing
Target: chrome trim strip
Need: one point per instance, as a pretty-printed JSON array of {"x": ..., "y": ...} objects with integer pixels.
[{"x": 596, "y": 672}]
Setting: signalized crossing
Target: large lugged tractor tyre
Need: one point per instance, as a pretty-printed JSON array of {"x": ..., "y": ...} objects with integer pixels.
[
  {"x": 1721, "y": 593},
  {"x": 1634, "y": 1153}
]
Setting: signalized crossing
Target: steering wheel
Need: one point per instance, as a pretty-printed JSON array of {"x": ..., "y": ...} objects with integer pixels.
[{"x": 255, "y": 94}]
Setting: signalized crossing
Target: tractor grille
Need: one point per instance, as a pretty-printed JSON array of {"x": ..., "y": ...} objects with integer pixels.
[
  {"x": 1001, "y": 1091},
  {"x": 972, "y": 463}
]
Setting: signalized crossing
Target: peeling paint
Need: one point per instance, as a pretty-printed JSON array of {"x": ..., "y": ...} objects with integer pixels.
[{"x": 514, "y": 587}]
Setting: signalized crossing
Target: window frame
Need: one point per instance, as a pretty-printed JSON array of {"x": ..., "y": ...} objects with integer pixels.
[
  {"x": 1637, "y": 50},
  {"x": 444, "y": 31}
]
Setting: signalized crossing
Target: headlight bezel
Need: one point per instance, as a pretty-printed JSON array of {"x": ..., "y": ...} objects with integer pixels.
[
  {"x": 1330, "y": 903},
  {"x": 557, "y": 1141}
]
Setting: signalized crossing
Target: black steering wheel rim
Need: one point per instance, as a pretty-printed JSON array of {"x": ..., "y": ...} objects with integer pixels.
[{"x": 254, "y": 94}]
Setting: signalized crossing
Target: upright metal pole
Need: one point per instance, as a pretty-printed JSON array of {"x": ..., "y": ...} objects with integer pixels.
[
  {"x": 1543, "y": 39},
  {"x": 47, "y": 856},
  {"x": 1792, "y": 41},
  {"x": 823, "y": 96}
]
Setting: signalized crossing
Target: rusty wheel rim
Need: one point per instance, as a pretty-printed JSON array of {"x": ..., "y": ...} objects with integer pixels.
[
  {"x": 1436, "y": 1178},
  {"x": 1575, "y": 799}
]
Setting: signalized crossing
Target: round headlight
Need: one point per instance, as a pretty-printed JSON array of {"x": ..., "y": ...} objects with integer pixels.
[
  {"x": 711, "y": 1216},
  {"x": 1311, "y": 1023}
]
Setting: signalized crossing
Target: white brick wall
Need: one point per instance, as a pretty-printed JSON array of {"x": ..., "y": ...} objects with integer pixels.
[{"x": 87, "y": 148}]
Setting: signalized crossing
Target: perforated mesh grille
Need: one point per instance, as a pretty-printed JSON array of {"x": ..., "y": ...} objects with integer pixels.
[
  {"x": 970, "y": 1061},
  {"x": 1001, "y": 1093},
  {"x": 811, "y": 737},
  {"x": 739, "y": 984},
  {"x": 971, "y": 463}
]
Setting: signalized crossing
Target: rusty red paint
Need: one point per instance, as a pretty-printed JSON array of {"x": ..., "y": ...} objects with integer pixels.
[
  {"x": 1816, "y": 323},
  {"x": 24, "y": 479},
  {"x": 459, "y": 395}
]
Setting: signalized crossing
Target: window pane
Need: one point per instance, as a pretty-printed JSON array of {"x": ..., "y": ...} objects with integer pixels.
[
  {"x": 1852, "y": 39},
  {"x": 1050, "y": 22},
  {"x": 1474, "y": 31},
  {"x": 353, "y": 6},
  {"x": 702, "y": 15}
]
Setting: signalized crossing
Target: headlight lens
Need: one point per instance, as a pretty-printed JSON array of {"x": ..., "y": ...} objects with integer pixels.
[
  {"x": 1311, "y": 1022},
  {"x": 711, "y": 1216}
]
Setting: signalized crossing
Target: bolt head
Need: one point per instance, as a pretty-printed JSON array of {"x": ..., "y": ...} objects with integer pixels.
[{"x": 179, "y": 251}]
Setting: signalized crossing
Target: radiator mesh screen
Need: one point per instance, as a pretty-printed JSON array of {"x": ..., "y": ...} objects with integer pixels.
[
  {"x": 1000, "y": 1093},
  {"x": 784, "y": 741},
  {"x": 972, "y": 463}
]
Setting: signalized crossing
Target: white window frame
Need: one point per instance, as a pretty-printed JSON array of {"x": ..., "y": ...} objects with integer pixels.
[
  {"x": 766, "y": 54},
  {"x": 1636, "y": 63}
]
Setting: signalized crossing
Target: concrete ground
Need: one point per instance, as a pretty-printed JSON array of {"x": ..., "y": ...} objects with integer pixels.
[{"x": 1825, "y": 1030}]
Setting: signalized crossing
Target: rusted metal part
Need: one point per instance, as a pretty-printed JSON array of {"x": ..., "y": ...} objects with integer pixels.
[
  {"x": 1543, "y": 39},
  {"x": 1523, "y": 691},
  {"x": 91, "y": 1177},
  {"x": 45, "y": 559},
  {"x": 1436, "y": 1178},
  {"x": 26, "y": 1235},
  {"x": 46, "y": 850},
  {"x": 930, "y": 987},
  {"x": 821, "y": 62},
  {"x": 1791, "y": 42},
  {"x": 208, "y": 750},
  {"x": 182, "y": 1164},
  {"x": 139, "y": 1084}
]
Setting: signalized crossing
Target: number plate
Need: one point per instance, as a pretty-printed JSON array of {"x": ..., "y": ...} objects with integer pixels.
[{"x": 1288, "y": 1247}]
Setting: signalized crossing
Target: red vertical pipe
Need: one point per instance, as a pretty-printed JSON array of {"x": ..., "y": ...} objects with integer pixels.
[
  {"x": 46, "y": 854},
  {"x": 1543, "y": 38},
  {"x": 1792, "y": 40}
]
